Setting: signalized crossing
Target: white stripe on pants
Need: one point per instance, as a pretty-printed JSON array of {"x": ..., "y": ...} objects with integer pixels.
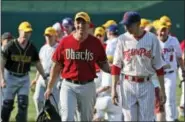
[
  {"x": 74, "y": 96},
  {"x": 138, "y": 101}
]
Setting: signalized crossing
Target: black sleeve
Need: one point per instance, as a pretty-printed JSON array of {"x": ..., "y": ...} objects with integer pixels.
[{"x": 35, "y": 56}]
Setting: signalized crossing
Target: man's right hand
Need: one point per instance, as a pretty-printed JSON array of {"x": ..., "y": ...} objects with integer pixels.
[
  {"x": 47, "y": 93},
  {"x": 3, "y": 84},
  {"x": 114, "y": 96},
  {"x": 33, "y": 82},
  {"x": 162, "y": 97}
]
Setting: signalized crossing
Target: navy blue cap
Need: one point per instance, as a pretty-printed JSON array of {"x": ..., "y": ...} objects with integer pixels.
[
  {"x": 67, "y": 21},
  {"x": 130, "y": 17},
  {"x": 113, "y": 28}
]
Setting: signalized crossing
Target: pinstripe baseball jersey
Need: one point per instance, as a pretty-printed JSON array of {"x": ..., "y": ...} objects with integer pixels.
[
  {"x": 170, "y": 52},
  {"x": 138, "y": 57}
]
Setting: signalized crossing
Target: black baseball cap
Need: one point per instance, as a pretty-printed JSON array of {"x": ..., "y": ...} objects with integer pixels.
[
  {"x": 130, "y": 17},
  {"x": 6, "y": 35}
]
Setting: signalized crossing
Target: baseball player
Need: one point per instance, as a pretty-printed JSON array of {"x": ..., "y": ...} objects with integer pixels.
[
  {"x": 60, "y": 31},
  {"x": 144, "y": 23},
  {"x": 45, "y": 55},
  {"x": 77, "y": 56},
  {"x": 108, "y": 23},
  {"x": 68, "y": 26},
  {"x": 172, "y": 55},
  {"x": 181, "y": 108},
  {"x": 15, "y": 66},
  {"x": 103, "y": 104},
  {"x": 138, "y": 57},
  {"x": 167, "y": 20},
  {"x": 159, "y": 109},
  {"x": 5, "y": 38},
  {"x": 100, "y": 34}
]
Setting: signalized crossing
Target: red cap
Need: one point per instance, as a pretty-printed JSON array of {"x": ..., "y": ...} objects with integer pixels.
[{"x": 91, "y": 25}]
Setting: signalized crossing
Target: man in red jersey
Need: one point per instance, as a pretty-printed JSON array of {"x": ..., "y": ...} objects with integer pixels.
[{"x": 75, "y": 58}]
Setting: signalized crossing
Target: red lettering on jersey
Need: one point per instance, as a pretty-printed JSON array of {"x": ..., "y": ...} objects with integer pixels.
[
  {"x": 167, "y": 50},
  {"x": 132, "y": 52}
]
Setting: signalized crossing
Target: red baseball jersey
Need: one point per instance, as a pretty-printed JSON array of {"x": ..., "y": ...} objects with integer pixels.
[{"x": 78, "y": 58}]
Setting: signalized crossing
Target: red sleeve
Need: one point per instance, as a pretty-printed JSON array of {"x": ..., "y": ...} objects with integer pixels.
[
  {"x": 58, "y": 55},
  {"x": 182, "y": 45},
  {"x": 115, "y": 70},
  {"x": 160, "y": 71},
  {"x": 101, "y": 52}
]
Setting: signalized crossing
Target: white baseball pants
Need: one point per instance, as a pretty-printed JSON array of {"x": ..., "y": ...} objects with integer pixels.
[
  {"x": 170, "y": 90},
  {"x": 80, "y": 97},
  {"x": 138, "y": 101}
]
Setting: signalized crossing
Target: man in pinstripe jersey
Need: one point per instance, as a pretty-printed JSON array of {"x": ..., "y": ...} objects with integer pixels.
[
  {"x": 17, "y": 57},
  {"x": 138, "y": 57}
]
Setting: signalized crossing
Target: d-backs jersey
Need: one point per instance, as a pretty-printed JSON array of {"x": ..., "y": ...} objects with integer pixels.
[
  {"x": 138, "y": 57},
  {"x": 170, "y": 52}
]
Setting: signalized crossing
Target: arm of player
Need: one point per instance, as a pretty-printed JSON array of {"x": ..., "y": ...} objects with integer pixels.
[
  {"x": 115, "y": 70},
  {"x": 179, "y": 55},
  {"x": 102, "y": 89},
  {"x": 33, "y": 82},
  {"x": 158, "y": 64},
  {"x": 3, "y": 82},
  {"x": 104, "y": 66},
  {"x": 4, "y": 55},
  {"x": 41, "y": 70}
]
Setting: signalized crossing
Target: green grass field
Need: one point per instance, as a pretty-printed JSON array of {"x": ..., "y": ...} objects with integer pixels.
[{"x": 32, "y": 112}]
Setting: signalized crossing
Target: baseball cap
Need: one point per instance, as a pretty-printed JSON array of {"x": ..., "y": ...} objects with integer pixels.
[
  {"x": 100, "y": 31},
  {"x": 83, "y": 15},
  {"x": 161, "y": 25},
  {"x": 109, "y": 23},
  {"x": 67, "y": 22},
  {"x": 50, "y": 31},
  {"x": 166, "y": 19},
  {"x": 130, "y": 17},
  {"x": 144, "y": 22},
  {"x": 25, "y": 26},
  {"x": 6, "y": 35},
  {"x": 58, "y": 26},
  {"x": 113, "y": 28},
  {"x": 154, "y": 23}
]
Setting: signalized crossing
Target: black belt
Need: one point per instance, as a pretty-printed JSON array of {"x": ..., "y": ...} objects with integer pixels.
[
  {"x": 18, "y": 75},
  {"x": 78, "y": 82},
  {"x": 169, "y": 72}
]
